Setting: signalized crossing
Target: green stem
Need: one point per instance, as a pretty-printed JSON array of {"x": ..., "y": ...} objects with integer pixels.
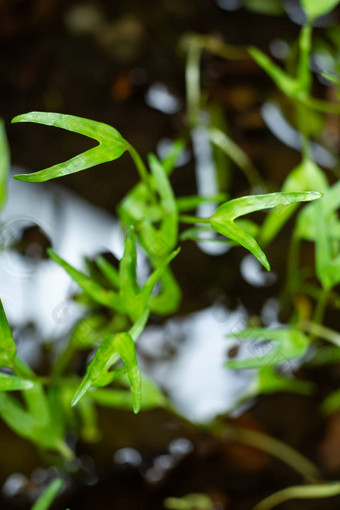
[
  {"x": 321, "y": 306},
  {"x": 185, "y": 218},
  {"x": 258, "y": 440},
  {"x": 22, "y": 370},
  {"x": 192, "y": 82},
  {"x": 63, "y": 360},
  {"x": 275, "y": 448},
  {"x": 317, "y": 330},
  {"x": 141, "y": 168},
  {"x": 305, "y": 44},
  {"x": 299, "y": 492}
]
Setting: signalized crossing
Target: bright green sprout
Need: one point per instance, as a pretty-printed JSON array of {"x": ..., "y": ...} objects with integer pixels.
[
  {"x": 130, "y": 299},
  {"x": 49, "y": 495}
]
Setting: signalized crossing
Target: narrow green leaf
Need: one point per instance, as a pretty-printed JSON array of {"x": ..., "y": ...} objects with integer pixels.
[
  {"x": 316, "y": 8},
  {"x": 49, "y": 495},
  {"x": 103, "y": 296},
  {"x": 291, "y": 86},
  {"x": 222, "y": 221},
  {"x": 134, "y": 299},
  {"x": 4, "y": 163},
  {"x": 170, "y": 160},
  {"x": 89, "y": 420},
  {"x": 111, "y": 144},
  {"x": 269, "y": 381},
  {"x": 306, "y": 176},
  {"x": 138, "y": 327},
  {"x": 152, "y": 397},
  {"x": 12, "y": 383},
  {"x": 236, "y": 154},
  {"x": 123, "y": 344},
  {"x": 168, "y": 299},
  {"x": 109, "y": 271},
  {"x": 304, "y": 75},
  {"x": 142, "y": 209},
  {"x": 190, "y": 203},
  {"x": 8, "y": 348},
  {"x": 13, "y": 414},
  {"x": 282, "y": 80}
]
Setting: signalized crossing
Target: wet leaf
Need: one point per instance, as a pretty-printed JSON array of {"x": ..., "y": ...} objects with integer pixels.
[
  {"x": 111, "y": 145},
  {"x": 222, "y": 221}
]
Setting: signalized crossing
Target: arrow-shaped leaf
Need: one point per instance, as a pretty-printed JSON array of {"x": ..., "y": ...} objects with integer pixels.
[
  {"x": 123, "y": 344},
  {"x": 222, "y": 221},
  {"x": 111, "y": 144}
]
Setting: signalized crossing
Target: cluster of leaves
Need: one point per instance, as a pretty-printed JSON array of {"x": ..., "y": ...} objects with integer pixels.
[{"x": 118, "y": 306}]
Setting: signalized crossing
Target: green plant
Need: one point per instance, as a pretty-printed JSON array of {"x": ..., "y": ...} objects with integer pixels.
[{"x": 117, "y": 307}]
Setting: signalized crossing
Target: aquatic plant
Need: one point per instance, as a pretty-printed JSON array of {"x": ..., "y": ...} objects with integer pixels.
[{"x": 154, "y": 219}]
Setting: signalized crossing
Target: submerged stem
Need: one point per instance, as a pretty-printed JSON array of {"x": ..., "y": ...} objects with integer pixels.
[
  {"x": 276, "y": 448},
  {"x": 299, "y": 492},
  {"x": 192, "y": 82}
]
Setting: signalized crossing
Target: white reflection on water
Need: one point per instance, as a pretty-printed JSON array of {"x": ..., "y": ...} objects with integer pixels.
[
  {"x": 195, "y": 378},
  {"x": 38, "y": 292},
  {"x": 278, "y": 125},
  {"x": 160, "y": 98}
]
